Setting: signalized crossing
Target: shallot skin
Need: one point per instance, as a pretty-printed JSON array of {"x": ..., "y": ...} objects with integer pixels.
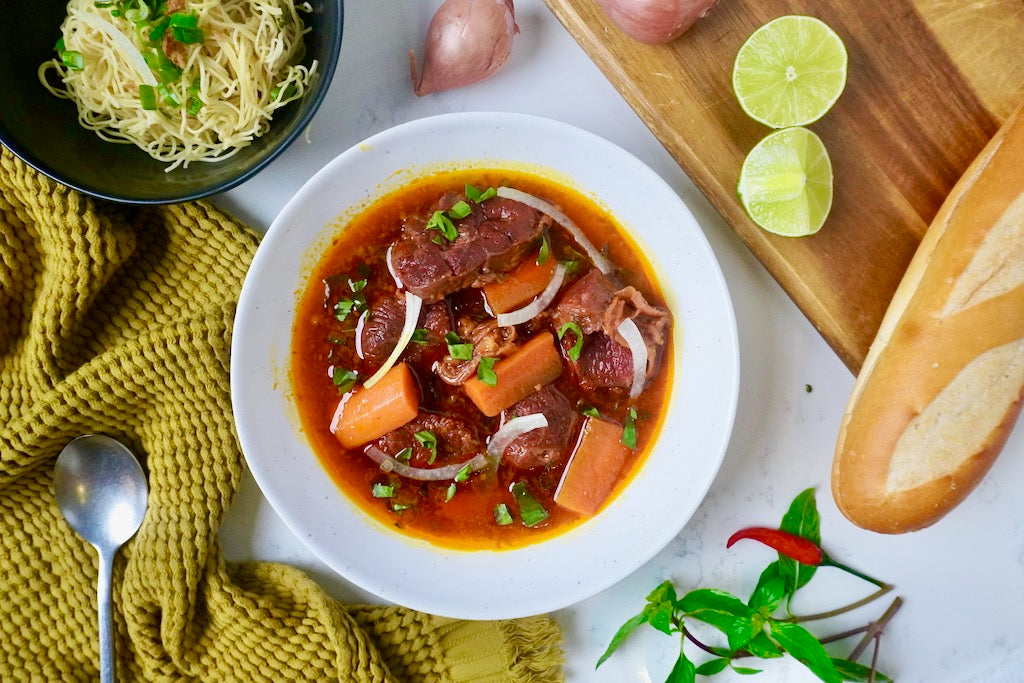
[
  {"x": 655, "y": 21},
  {"x": 467, "y": 41}
]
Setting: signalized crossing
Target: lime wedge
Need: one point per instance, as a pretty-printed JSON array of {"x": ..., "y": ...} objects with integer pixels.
[
  {"x": 790, "y": 71},
  {"x": 786, "y": 183}
]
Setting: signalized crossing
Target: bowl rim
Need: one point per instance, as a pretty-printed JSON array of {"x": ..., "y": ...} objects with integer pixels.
[
  {"x": 311, "y": 104},
  {"x": 251, "y": 374}
]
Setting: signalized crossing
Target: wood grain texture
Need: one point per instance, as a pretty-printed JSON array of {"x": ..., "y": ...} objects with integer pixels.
[{"x": 907, "y": 125}]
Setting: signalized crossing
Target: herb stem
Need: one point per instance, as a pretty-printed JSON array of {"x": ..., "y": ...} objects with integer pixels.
[
  {"x": 707, "y": 648},
  {"x": 829, "y": 562},
  {"x": 875, "y": 628},
  {"x": 885, "y": 588}
]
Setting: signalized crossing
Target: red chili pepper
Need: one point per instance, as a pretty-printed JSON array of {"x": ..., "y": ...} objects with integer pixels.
[{"x": 795, "y": 547}]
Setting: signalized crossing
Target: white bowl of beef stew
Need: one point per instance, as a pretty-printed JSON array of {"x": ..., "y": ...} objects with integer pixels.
[{"x": 484, "y": 365}]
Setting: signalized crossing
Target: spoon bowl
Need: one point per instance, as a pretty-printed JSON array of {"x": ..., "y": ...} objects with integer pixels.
[{"x": 101, "y": 490}]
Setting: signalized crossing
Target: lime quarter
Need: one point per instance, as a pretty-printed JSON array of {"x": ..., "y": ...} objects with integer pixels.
[
  {"x": 790, "y": 71},
  {"x": 785, "y": 183}
]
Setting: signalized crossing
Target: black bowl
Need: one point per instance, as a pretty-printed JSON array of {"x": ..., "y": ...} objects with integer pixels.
[{"x": 44, "y": 131}]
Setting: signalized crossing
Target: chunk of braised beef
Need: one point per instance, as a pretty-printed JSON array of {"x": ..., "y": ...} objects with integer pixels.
[
  {"x": 493, "y": 239},
  {"x": 598, "y": 303},
  {"x": 381, "y": 328},
  {"x": 548, "y": 445},
  {"x": 488, "y": 340},
  {"x": 604, "y": 364},
  {"x": 456, "y": 441}
]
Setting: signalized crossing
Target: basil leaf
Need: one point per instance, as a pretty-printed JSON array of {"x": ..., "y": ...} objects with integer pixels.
[
  {"x": 746, "y": 670},
  {"x": 531, "y": 512},
  {"x": 629, "y": 429},
  {"x": 461, "y": 351},
  {"x": 574, "y": 352},
  {"x": 712, "y": 666},
  {"x": 801, "y": 519},
  {"x": 724, "y": 611},
  {"x": 771, "y": 588},
  {"x": 419, "y": 336},
  {"x": 485, "y": 371},
  {"x": 343, "y": 379},
  {"x": 855, "y": 671},
  {"x": 428, "y": 440},
  {"x": 501, "y": 515},
  {"x": 627, "y": 628},
  {"x": 762, "y": 646},
  {"x": 798, "y": 642},
  {"x": 683, "y": 671}
]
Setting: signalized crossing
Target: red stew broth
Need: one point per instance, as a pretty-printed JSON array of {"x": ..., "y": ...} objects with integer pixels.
[{"x": 466, "y": 521}]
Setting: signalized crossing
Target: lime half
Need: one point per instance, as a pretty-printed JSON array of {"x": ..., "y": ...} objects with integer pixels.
[
  {"x": 790, "y": 71},
  {"x": 786, "y": 183}
]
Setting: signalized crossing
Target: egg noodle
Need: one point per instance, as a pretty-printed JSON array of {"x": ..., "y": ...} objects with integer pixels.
[{"x": 198, "y": 100}]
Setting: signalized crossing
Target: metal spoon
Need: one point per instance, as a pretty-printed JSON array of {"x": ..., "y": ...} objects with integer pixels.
[{"x": 101, "y": 491}]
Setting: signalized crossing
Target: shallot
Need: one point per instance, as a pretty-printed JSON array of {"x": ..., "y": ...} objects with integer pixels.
[
  {"x": 655, "y": 21},
  {"x": 467, "y": 41}
]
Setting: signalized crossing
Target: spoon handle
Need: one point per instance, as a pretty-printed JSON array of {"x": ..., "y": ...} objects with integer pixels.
[{"x": 106, "y": 621}]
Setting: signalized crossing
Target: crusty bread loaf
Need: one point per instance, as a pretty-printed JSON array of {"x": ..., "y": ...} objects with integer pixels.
[{"x": 942, "y": 383}]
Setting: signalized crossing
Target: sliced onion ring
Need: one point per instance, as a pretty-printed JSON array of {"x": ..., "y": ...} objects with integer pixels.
[
  {"x": 543, "y": 300},
  {"x": 123, "y": 43},
  {"x": 602, "y": 263},
  {"x": 513, "y": 429},
  {"x": 638, "y": 348},
  {"x": 413, "y": 304},
  {"x": 390, "y": 464},
  {"x": 391, "y": 268}
]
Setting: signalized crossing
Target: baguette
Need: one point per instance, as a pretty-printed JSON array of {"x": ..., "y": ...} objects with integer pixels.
[{"x": 941, "y": 385}]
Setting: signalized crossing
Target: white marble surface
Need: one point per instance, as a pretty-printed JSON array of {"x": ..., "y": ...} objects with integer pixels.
[{"x": 962, "y": 580}]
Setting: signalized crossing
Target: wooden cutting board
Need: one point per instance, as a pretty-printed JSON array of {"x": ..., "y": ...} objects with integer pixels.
[{"x": 929, "y": 83}]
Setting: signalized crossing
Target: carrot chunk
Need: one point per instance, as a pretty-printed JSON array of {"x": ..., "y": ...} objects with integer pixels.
[
  {"x": 520, "y": 286},
  {"x": 593, "y": 467},
  {"x": 387, "y": 405},
  {"x": 532, "y": 366}
]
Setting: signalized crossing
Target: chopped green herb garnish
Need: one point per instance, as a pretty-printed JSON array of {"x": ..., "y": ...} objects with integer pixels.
[
  {"x": 629, "y": 429},
  {"x": 574, "y": 352},
  {"x": 157, "y": 30},
  {"x": 357, "y": 285},
  {"x": 72, "y": 59},
  {"x": 460, "y": 209},
  {"x": 346, "y": 306},
  {"x": 137, "y": 14},
  {"x": 450, "y": 493},
  {"x": 147, "y": 97},
  {"x": 428, "y": 440},
  {"x": 184, "y": 19},
  {"x": 398, "y": 507},
  {"x": 501, "y": 515},
  {"x": 441, "y": 222},
  {"x": 383, "y": 490},
  {"x": 530, "y": 510},
  {"x": 545, "y": 250},
  {"x": 476, "y": 196},
  {"x": 168, "y": 96},
  {"x": 343, "y": 379},
  {"x": 456, "y": 348},
  {"x": 279, "y": 94},
  {"x": 463, "y": 474},
  {"x": 404, "y": 455},
  {"x": 185, "y": 28},
  {"x": 571, "y": 266},
  {"x": 162, "y": 67},
  {"x": 485, "y": 371},
  {"x": 419, "y": 335},
  {"x": 591, "y": 411},
  {"x": 195, "y": 103}
]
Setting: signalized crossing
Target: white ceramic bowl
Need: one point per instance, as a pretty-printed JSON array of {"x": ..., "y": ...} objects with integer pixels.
[{"x": 544, "y": 576}]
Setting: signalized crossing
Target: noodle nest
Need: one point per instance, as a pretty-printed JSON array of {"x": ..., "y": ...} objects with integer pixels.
[{"x": 217, "y": 97}]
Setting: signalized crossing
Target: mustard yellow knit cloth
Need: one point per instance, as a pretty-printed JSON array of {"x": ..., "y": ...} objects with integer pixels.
[{"x": 117, "y": 320}]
